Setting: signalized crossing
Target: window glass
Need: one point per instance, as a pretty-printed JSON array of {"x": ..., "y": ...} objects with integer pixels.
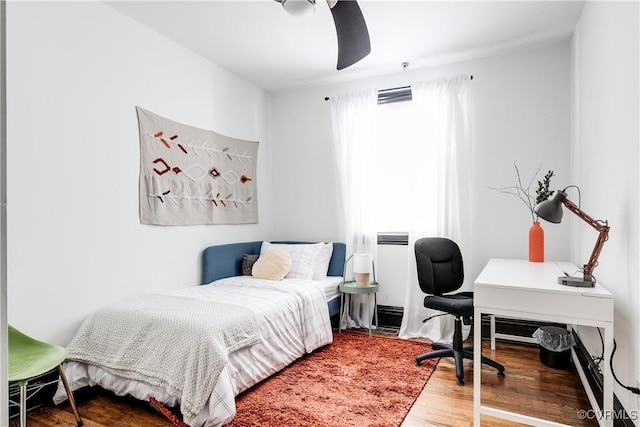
[{"x": 396, "y": 135}]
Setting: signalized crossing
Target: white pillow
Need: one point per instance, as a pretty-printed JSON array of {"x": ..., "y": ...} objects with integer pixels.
[
  {"x": 322, "y": 261},
  {"x": 303, "y": 257},
  {"x": 273, "y": 264}
]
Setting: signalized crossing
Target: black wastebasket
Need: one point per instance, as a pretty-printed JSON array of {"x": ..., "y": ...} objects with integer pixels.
[{"x": 555, "y": 346}]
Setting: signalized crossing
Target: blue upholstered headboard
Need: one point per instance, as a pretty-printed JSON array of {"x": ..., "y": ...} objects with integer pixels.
[{"x": 222, "y": 261}]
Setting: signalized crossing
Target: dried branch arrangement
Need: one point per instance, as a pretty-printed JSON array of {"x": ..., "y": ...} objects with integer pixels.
[{"x": 523, "y": 191}]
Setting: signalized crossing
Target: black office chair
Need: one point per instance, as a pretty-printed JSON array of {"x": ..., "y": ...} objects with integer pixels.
[{"x": 440, "y": 270}]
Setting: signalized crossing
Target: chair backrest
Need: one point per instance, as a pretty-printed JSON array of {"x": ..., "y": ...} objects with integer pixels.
[{"x": 439, "y": 263}]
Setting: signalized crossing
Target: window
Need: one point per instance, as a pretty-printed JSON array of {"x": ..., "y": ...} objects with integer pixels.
[{"x": 397, "y": 131}]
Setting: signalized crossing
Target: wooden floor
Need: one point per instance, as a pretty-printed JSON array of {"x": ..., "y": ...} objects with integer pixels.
[{"x": 529, "y": 387}]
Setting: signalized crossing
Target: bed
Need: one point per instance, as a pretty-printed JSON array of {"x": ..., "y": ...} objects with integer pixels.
[{"x": 268, "y": 325}]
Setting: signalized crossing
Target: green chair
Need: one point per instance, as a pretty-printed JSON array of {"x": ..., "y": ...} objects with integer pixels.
[{"x": 29, "y": 358}]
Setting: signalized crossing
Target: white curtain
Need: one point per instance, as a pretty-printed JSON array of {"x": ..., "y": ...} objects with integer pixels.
[
  {"x": 352, "y": 115},
  {"x": 443, "y": 211}
]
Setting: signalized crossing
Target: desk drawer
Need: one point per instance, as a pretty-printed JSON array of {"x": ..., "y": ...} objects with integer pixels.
[{"x": 560, "y": 307}]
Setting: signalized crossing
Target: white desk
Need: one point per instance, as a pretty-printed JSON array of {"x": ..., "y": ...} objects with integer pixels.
[{"x": 529, "y": 290}]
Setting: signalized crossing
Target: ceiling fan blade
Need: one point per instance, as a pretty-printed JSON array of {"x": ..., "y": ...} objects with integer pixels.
[{"x": 353, "y": 36}]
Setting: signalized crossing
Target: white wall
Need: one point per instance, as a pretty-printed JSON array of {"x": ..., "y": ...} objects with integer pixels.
[
  {"x": 76, "y": 71},
  {"x": 4, "y": 375},
  {"x": 520, "y": 110},
  {"x": 605, "y": 160}
]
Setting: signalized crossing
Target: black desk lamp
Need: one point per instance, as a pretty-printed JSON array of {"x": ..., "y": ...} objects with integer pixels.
[{"x": 551, "y": 210}]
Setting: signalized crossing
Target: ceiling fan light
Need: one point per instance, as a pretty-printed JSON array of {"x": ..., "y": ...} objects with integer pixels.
[{"x": 299, "y": 7}]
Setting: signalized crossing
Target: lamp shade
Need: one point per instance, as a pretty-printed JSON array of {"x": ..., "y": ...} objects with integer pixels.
[
  {"x": 362, "y": 263},
  {"x": 551, "y": 210},
  {"x": 299, "y": 7}
]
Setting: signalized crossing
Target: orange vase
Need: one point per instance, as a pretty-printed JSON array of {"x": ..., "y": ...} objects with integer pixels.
[{"x": 536, "y": 243}]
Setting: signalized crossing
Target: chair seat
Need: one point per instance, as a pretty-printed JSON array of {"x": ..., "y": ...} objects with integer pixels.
[
  {"x": 460, "y": 304},
  {"x": 29, "y": 357}
]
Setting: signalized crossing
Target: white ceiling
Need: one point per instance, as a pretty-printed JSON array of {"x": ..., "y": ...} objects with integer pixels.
[{"x": 258, "y": 41}]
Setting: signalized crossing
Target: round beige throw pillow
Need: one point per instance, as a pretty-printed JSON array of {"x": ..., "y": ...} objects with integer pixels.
[{"x": 272, "y": 265}]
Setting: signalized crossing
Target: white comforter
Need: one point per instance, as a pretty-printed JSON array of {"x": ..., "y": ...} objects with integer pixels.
[{"x": 293, "y": 320}]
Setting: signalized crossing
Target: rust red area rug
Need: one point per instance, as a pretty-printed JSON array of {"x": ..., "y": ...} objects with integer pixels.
[{"x": 357, "y": 380}]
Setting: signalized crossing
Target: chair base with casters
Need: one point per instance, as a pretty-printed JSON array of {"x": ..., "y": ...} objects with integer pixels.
[
  {"x": 458, "y": 352},
  {"x": 30, "y": 358}
]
